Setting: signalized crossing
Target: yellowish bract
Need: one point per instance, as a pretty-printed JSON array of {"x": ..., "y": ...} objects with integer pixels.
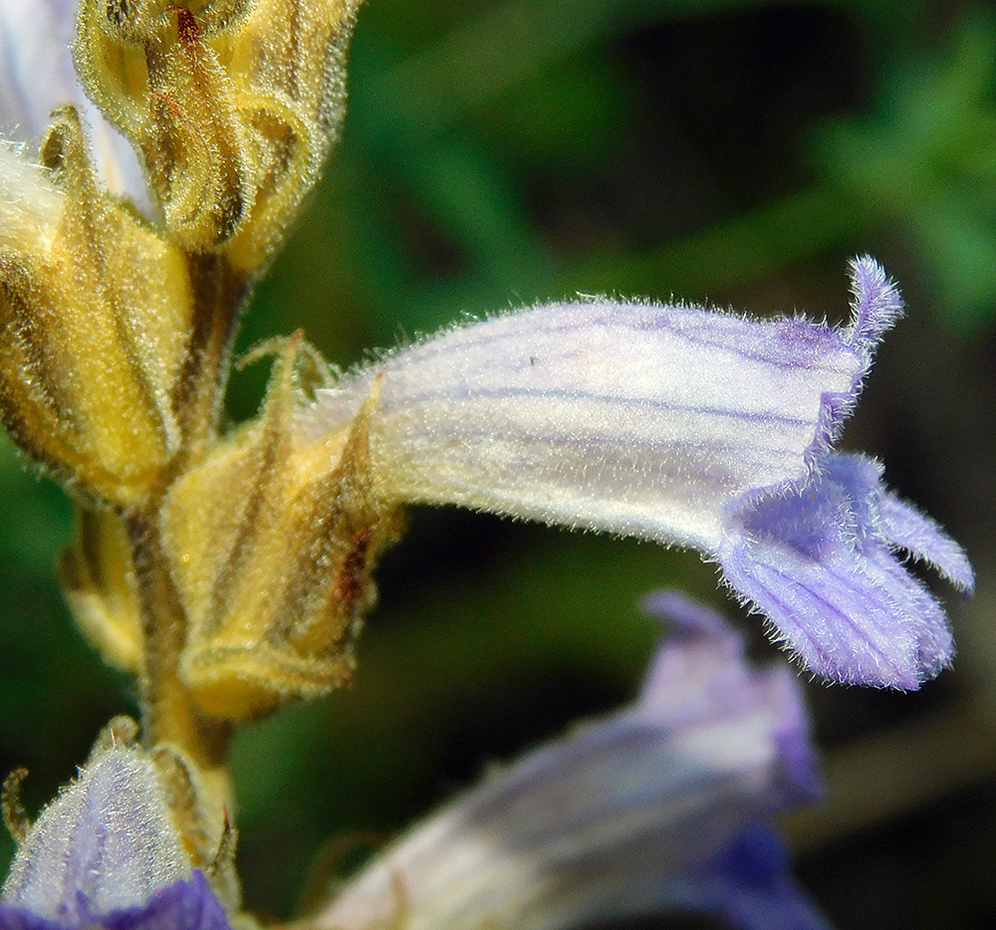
[
  {"x": 95, "y": 314},
  {"x": 99, "y": 582},
  {"x": 271, "y": 542}
]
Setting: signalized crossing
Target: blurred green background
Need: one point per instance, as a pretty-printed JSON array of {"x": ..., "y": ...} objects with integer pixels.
[{"x": 500, "y": 153}]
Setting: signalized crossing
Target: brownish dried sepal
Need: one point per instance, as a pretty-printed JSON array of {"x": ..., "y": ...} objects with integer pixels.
[
  {"x": 15, "y": 817},
  {"x": 95, "y": 313},
  {"x": 233, "y": 104},
  {"x": 271, "y": 543},
  {"x": 199, "y": 801}
]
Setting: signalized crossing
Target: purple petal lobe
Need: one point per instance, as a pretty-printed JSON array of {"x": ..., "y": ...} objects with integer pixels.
[
  {"x": 184, "y": 905},
  {"x": 749, "y": 885},
  {"x": 875, "y": 308},
  {"x": 17, "y": 918},
  {"x": 818, "y": 560},
  {"x": 701, "y": 670},
  {"x": 904, "y": 526},
  {"x": 877, "y": 305}
]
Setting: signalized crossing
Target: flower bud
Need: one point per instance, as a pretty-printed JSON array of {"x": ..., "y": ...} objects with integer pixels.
[
  {"x": 232, "y": 104},
  {"x": 270, "y": 542},
  {"x": 107, "y": 843},
  {"x": 161, "y": 84},
  {"x": 139, "y": 839},
  {"x": 94, "y": 319}
]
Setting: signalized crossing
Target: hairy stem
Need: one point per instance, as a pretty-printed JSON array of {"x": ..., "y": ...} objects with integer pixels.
[
  {"x": 170, "y": 715},
  {"x": 219, "y": 292}
]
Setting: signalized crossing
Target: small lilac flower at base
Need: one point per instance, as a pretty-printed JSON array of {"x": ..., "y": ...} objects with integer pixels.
[
  {"x": 639, "y": 813},
  {"x": 106, "y": 853},
  {"x": 685, "y": 426}
]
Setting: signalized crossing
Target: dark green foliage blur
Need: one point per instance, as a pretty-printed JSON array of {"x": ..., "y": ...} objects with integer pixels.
[{"x": 502, "y": 152}]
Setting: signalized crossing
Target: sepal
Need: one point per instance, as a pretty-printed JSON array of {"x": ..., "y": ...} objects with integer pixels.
[
  {"x": 271, "y": 543},
  {"x": 94, "y": 319}
]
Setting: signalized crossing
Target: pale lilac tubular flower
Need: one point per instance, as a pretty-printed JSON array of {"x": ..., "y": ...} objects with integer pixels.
[
  {"x": 37, "y": 76},
  {"x": 682, "y": 425},
  {"x": 652, "y": 810},
  {"x": 105, "y": 854}
]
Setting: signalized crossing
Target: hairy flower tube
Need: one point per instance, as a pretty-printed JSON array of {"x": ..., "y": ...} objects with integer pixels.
[
  {"x": 655, "y": 808},
  {"x": 686, "y": 426}
]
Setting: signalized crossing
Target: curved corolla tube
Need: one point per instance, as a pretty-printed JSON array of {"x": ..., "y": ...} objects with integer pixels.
[{"x": 682, "y": 425}]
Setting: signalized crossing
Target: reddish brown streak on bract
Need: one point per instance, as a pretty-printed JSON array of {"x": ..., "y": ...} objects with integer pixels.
[
  {"x": 186, "y": 26},
  {"x": 351, "y": 583},
  {"x": 166, "y": 103}
]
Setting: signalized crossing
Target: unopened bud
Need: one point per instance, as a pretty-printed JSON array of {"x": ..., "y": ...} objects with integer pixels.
[
  {"x": 94, "y": 319},
  {"x": 234, "y": 106},
  {"x": 271, "y": 543}
]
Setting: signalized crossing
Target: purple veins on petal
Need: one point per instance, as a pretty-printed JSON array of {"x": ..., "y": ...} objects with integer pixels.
[
  {"x": 635, "y": 418},
  {"x": 819, "y": 560}
]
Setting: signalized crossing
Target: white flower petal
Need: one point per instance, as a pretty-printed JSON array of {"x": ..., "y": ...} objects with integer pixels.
[
  {"x": 37, "y": 76},
  {"x": 635, "y": 418}
]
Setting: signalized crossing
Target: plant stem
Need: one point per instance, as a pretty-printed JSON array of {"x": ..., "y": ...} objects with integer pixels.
[
  {"x": 219, "y": 292},
  {"x": 170, "y": 714}
]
